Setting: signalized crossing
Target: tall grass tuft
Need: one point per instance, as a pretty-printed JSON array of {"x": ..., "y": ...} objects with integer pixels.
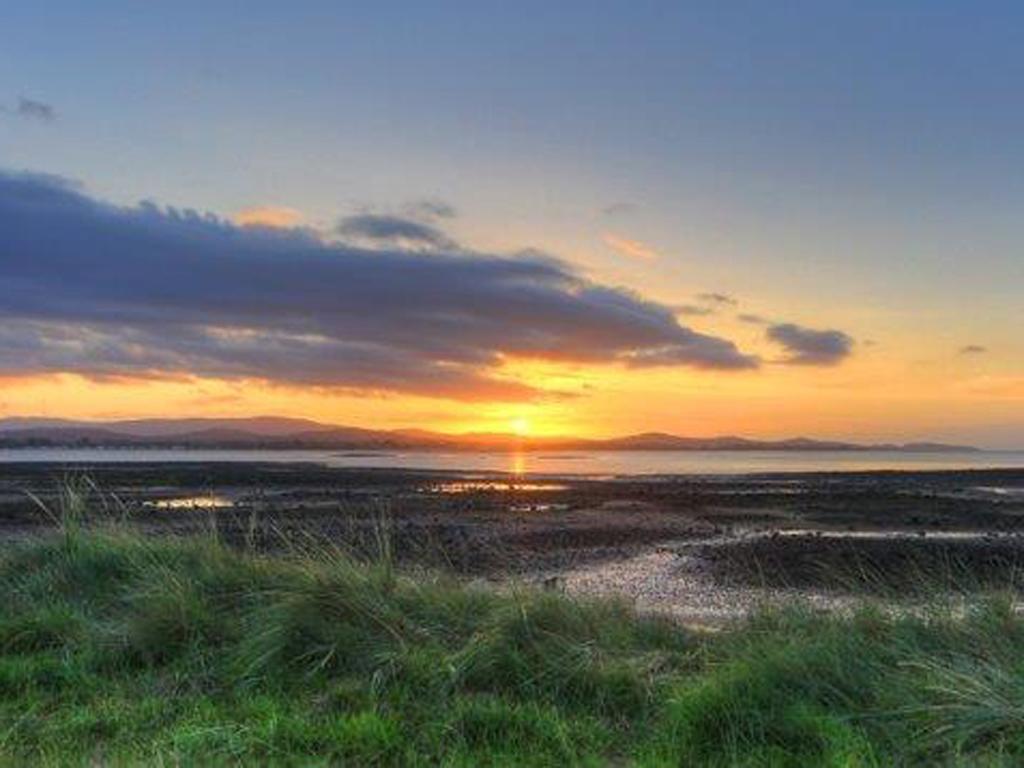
[{"x": 72, "y": 506}]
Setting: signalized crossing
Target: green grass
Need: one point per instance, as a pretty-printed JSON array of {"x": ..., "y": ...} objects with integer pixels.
[{"x": 118, "y": 649}]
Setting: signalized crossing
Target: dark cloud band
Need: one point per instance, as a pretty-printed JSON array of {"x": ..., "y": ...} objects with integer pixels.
[{"x": 91, "y": 288}]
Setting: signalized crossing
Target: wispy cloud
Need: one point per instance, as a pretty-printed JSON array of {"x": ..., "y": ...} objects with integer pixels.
[
  {"x": 693, "y": 310},
  {"x": 973, "y": 349},
  {"x": 625, "y": 246},
  {"x": 198, "y": 296},
  {"x": 808, "y": 346},
  {"x": 32, "y": 109},
  {"x": 619, "y": 209},
  {"x": 430, "y": 209},
  {"x": 722, "y": 299},
  {"x": 273, "y": 216},
  {"x": 752, "y": 319},
  {"x": 390, "y": 230}
]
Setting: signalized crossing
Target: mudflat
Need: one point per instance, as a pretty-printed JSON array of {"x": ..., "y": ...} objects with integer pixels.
[{"x": 706, "y": 549}]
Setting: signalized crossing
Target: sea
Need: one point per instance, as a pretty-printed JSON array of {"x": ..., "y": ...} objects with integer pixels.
[{"x": 555, "y": 463}]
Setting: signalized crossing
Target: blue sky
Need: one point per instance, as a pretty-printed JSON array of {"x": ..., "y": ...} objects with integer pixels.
[
  {"x": 755, "y": 115},
  {"x": 838, "y": 164}
]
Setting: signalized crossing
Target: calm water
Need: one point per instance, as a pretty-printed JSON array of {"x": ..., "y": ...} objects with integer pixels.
[{"x": 556, "y": 463}]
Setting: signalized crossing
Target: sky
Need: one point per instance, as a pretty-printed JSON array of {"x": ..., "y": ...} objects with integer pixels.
[{"x": 580, "y": 217}]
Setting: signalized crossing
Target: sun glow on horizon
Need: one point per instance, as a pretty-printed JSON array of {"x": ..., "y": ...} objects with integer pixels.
[
  {"x": 836, "y": 404},
  {"x": 520, "y": 426}
]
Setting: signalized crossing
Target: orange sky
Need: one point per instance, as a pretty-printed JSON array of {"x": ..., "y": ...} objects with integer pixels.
[
  {"x": 869, "y": 397},
  {"x": 903, "y": 379}
]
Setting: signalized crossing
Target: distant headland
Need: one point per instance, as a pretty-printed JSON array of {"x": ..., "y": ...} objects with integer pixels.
[{"x": 287, "y": 433}]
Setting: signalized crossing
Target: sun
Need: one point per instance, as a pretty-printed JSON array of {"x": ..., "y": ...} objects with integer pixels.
[{"x": 520, "y": 426}]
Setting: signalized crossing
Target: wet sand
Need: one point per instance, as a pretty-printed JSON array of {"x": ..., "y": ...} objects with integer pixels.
[{"x": 705, "y": 549}]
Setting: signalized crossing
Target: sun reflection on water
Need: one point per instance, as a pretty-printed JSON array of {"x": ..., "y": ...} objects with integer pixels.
[
  {"x": 518, "y": 466},
  {"x": 517, "y": 479},
  {"x": 211, "y": 501},
  {"x": 469, "y": 486}
]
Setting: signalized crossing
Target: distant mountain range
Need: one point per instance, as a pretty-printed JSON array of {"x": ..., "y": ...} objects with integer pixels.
[{"x": 284, "y": 433}]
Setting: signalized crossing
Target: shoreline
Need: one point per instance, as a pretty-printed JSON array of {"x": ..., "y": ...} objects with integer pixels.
[
  {"x": 596, "y": 464},
  {"x": 696, "y": 547}
]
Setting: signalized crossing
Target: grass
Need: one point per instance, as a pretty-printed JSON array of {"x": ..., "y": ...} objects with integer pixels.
[
  {"x": 119, "y": 649},
  {"x": 883, "y": 567}
]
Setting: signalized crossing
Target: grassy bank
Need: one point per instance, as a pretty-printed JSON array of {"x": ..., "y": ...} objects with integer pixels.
[{"x": 119, "y": 649}]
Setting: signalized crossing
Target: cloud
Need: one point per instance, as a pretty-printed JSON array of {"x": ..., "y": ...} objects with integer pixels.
[
  {"x": 35, "y": 110},
  {"x": 625, "y": 246},
  {"x": 379, "y": 228},
  {"x": 105, "y": 291},
  {"x": 717, "y": 298},
  {"x": 752, "y": 319},
  {"x": 973, "y": 349},
  {"x": 430, "y": 209},
  {"x": 807, "y": 346},
  {"x": 619, "y": 209},
  {"x": 692, "y": 310},
  {"x": 274, "y": 216}
]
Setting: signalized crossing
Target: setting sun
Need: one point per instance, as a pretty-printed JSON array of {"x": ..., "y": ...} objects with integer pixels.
[{"x": 520, "y": 426}]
